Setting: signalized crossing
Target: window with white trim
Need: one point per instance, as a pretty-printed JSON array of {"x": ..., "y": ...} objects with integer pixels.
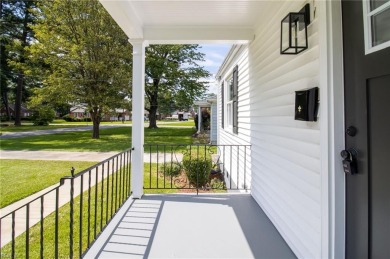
[
  {"x": 230, "y": 102},
  {"x": 376, "y": 15}
]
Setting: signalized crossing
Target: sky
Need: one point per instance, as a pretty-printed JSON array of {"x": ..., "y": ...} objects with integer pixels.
[{"x": 215, "y": 55}]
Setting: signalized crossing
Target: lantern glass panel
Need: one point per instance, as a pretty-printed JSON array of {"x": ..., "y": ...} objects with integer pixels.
[{"x": 293, "y": 34}]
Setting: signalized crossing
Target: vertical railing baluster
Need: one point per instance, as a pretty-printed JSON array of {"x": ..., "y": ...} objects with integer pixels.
[
  {"x": 122, "y": 178},
  {"x": 129, "y": 171},
  {"x": 223, "y": 162},
  {"x": 1, "y": 222},
  {"x": 108, "y": 189},
  {"x": 171, "y": 165},
  {"x": 56, "y": 223},
  {"x": 126, "y": 173},
  {"x": 13, "y": 235},
  {"x": 150, "y": 166},
  {"x": 230, "y": 168},
  {"x": 71, "y": 218},
  {"x": 27, "y": 230},
  {"x": 238, "y": 166},
  {"x": 197, "y": 172},
  {"x": 81, "y": 216},
  {"x": 116, "y": 185},
  {"x": 112, "y": 185},
  {"x": 42, "y": 231},
  {"x": 96, "y": 201},
  {"x": 157, "y": 167},
  {"x": 165, "y": 160},
  {"x": 89, "y": 208},
  {"x": 245, "y": 185},
  {"x": 102, "y": 199}
]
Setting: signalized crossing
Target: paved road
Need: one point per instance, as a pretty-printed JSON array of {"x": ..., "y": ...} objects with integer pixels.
[
  {"x": 20, "y": 134},
  {"x": 7, "y": 135}
]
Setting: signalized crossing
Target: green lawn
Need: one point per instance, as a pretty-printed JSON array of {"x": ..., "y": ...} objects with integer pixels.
[
  {"x": 112, "y": 139},
  {"x": 21, "y": 178}
]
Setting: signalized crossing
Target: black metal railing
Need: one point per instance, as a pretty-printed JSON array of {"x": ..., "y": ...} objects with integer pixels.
[
  {"x": 65, "y": 220},
  {"x": 197, "y": 167}
]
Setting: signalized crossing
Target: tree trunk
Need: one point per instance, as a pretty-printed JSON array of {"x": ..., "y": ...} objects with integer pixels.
[
  {"x": 153, "y": 117},
  {"x": 4, "y": 97},
  {"x": 4, "y": 86},
  {"x": 18, "y": 101},
  {"x": 95, "y": 116},
  {"x": 20, "y": 84}
]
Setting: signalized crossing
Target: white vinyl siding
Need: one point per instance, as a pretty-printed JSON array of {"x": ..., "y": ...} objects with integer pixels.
[
  {"x": 285, "y": 161},
  {"x": 226, "y": 135},
  {"x": 214, "y": 123}
]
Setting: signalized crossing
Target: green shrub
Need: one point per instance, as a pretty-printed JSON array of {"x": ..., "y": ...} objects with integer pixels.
[
  {"x": 197, "y": 170},
  {"x": 217, "y": 183},
  {"x": 171, "y": 169},
  {"x": 42, "y": 116},
  {"x": 67, "y": 118}
]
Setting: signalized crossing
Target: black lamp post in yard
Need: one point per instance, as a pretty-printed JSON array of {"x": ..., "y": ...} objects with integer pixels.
[{"x": 293, "y": 38}]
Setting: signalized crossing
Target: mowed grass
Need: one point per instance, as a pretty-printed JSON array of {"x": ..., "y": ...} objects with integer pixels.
[
  {"x": 21, "y": 178},
  {"x": 112, "y": 139}
]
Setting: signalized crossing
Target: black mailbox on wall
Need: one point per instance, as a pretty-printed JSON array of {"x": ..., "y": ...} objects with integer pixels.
[{"x": 306, "y": 104}]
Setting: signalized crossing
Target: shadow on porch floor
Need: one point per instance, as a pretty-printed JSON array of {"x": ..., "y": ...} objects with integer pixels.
[{"x": 190, "y": 226}]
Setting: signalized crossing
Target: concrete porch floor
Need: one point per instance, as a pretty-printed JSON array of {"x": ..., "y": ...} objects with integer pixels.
[{"x": 190, "y": 226}]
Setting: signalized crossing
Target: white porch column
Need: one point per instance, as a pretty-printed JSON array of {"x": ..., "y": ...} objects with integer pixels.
[
  {"x": 199, "y": 119},
  {"x": 137, "y": 158}
]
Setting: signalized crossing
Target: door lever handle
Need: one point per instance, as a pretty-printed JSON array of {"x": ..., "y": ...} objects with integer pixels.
[{"x": 349, "y": 161}]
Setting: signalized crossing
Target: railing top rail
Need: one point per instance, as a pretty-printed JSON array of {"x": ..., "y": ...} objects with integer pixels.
[{"x": 97, "y": 165}]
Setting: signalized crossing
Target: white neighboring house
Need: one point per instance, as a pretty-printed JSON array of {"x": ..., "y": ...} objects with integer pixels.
[
  {"x": 210, "y": 104},
  {"x": 297, "y": 172}
]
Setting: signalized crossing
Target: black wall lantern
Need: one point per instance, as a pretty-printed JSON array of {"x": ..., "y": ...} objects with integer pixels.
[{"x": 293, "y": 39}]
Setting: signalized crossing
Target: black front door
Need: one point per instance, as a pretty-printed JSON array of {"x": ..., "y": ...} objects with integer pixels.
[{"x": 367, "y": 108}]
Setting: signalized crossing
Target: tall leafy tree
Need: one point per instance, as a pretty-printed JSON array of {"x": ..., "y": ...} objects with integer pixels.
[
  {"x": 17, "y": 16},
  {"x": 88, "y": 55},
  {"x": 173, "y": 78}
]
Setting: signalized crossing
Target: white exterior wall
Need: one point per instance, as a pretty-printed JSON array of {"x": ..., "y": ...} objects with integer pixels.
[
  {"x": 285, "y": 162},
  {"x": 214, "y": 123},
  {"x": 238, "y": 175}
]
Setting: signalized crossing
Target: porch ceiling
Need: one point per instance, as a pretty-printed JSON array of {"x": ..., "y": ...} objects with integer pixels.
[{"x": 188, "y": 21}]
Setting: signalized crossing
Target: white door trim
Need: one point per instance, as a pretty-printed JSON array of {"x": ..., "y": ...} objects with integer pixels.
[{"x": 332, "y": 129}]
